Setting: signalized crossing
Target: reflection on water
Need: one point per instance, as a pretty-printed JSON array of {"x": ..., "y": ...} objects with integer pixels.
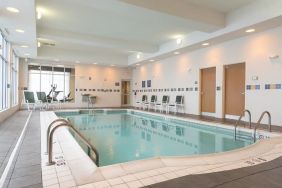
[{"x": 122, "y": 137}]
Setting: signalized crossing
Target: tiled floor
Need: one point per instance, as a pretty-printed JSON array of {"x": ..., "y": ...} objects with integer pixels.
[
  {"x": 266, "y": 175},
  {"x": 26, "y": 167},
  {"x": 9, "y": 133}
]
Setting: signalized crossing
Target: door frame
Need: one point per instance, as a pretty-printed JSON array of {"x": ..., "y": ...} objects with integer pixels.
[
  {"x": 200, "y": 92},
  {"x": 224, "y": 91},
  {"x": 130, "y": 93}
]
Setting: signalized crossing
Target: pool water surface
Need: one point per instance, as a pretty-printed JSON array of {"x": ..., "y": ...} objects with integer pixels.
[{"x": 122, "y": 136}]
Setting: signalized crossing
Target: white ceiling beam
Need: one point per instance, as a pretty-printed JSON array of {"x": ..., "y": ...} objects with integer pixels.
[
  {"x": 206, "y": 18},
  {"x": 72, "y": 55},
  {"x": 94, "y": 41}
]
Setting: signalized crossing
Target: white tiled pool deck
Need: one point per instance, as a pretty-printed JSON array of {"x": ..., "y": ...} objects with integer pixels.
[{"x": 75, "y": 169}]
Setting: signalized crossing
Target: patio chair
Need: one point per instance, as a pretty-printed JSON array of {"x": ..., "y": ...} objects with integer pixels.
[
  {"x": 163, "y": 105},
  {"x": 141, "y": 103},
  {"x": 42, "y": 98},
  {"x": 29, "y": 100},
  {"x": 152, "y": 102},
  {"x": 178, "y": 104}
]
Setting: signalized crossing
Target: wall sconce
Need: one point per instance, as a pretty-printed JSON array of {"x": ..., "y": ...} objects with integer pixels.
[
  {"x": 274, "y": 57},
  {"x": 189, "y": 69}
]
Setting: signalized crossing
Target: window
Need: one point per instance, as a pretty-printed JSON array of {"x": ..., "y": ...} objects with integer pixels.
[
  {"x": 9, "y": 63},
  {"x": 14, "y": 79},
  {"x": 42, "y": 78},
  {"x": 4, "y": 74}
]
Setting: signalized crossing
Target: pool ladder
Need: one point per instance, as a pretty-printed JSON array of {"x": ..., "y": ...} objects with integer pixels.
[
  {"x": 65, "y": 123},
  {"x": 250, "y": 122},
  {"x": 240, "y": 119},
  {"x": 259, "y": 123}
]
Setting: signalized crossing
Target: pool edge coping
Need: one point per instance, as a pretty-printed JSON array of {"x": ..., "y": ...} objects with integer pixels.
[{"x": 187, "y": 160}]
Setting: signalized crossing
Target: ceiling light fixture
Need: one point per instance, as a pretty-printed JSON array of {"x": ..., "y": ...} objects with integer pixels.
[
  {"x": 24, "y": 46},
  {"x": 77, "y": 61},
  {"x": 205, "y": 44},
  {"x": 151, "y": 60},
  {"x": 178, "y": 41},
  {"x": 12, "y": 9},
  {"x": 95, "y": 63},
  {"x": 138, "y": 56},
  {"x": 38, "y": 44},
  {"x": 19, "y": 30},
  {"x": 39, "y": 15},
  {"x": 250, "y": 30},
  {"x": 113, "y": 65},
  {"x": 176, "y": 53}
]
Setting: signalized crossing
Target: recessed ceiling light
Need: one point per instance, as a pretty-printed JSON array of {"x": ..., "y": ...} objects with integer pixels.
[
  {"x": 27, "y": 54},
  {"x": 19, "y": 30},
  {"x": 206, "y": 44},
  {"x": 24, "y": 46},
  {"x": 178, "y": 41},
  {"x": 38, "y": 44},
  {"x": 95, "y": 63},
  {"x": 113, "y": 65},
  {"x": 151, "y": 60},
  {"x": 12, "y": 9},
  {"x": 138, "y": 56},
  {"x": 250, "y": 30},
  {"x": 176, "y": 53}
]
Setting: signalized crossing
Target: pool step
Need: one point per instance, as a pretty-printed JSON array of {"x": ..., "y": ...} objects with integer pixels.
[{"x": 244, "y": 137}]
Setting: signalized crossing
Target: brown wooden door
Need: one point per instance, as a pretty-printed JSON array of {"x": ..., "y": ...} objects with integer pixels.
[
  {"x": 125, "y": 93},
  {"x": 234, "y": 88},
  {"x": 208, "y": 89}
]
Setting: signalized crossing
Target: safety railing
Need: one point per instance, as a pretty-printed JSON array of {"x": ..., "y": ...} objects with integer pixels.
[
  {"x": 259, "y": 123},
  {"x": 64, "y": 123},
  {"x": 240, "y": 119}
]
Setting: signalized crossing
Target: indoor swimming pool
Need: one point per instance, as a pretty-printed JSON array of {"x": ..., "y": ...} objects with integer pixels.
[{"x": 128, "y": 135}]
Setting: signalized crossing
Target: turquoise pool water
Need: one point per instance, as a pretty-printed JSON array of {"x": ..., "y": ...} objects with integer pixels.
[{"x": 122, "y": 136}]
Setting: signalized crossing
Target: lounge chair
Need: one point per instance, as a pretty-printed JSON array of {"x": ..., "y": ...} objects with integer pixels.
[
  {"x": 42, "y": 98},
  {"x": 178, "y": 104},
  {"x": 163, "y": 105},
  {"x": 152, "y": 102},
  {"x": 29, "y": 99},
  {"x": 141, "y": 103}
]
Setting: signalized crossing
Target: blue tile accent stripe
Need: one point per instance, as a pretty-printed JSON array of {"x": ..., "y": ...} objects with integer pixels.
[{"x": 218, "y": 88}]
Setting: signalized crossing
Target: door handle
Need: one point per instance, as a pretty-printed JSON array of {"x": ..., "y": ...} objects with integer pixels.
[{"x": 243, "y": 93}]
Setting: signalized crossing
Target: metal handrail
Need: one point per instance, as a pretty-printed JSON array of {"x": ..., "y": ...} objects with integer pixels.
[
  {"x": 89, "y": 145},
  {"x": 239, "y": 120},
  {"x": 49, "y": 128},
  {"x": 259, "y": 122}
]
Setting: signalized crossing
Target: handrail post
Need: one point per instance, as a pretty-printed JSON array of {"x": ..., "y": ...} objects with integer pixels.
[
  {"x": 240, "y": 118},
  {"x": 259, "y": 122},
  {"x": 50, "y": 143},
  {"x": 49, "y": 128}
]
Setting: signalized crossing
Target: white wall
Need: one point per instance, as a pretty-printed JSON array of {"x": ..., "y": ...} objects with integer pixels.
[
  {"x": 101, "y": 78},
  {"x": 182, "y": 71}
]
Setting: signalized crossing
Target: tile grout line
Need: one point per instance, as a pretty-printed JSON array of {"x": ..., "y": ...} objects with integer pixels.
[{"x": 13, "y": 154}]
